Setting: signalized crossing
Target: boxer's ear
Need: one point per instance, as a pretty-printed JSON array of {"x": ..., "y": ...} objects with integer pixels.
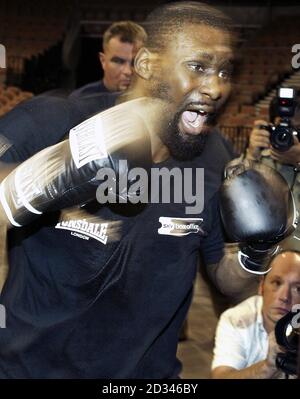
[{"x": 143, "y": 63}]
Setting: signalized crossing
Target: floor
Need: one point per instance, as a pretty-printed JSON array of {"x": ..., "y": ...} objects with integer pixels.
[{"x": 195, "y": 353}]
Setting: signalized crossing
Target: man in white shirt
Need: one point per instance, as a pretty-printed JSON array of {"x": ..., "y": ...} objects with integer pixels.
[{"x": 245, "y": 344}]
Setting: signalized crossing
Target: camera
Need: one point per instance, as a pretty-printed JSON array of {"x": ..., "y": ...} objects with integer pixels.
[
  {"x": 287, "y": 333},
  {"x": 282, "y": 134}
]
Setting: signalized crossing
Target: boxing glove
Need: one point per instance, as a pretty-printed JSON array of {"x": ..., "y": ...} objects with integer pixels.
[
  {"x": 66, "y": 174},
  {"x": 257, "y": 210}
]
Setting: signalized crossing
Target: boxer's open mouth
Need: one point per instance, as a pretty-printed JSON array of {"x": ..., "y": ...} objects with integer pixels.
[{"x": 193, "y": 120}]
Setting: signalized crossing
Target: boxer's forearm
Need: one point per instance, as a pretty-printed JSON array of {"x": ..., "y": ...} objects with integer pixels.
[
  {"x": 230, "y": 279},
  {"x": 4, "y": 222},
  {"x": 5, "y": 169}
]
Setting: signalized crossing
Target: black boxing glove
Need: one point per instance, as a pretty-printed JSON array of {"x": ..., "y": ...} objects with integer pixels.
[
  {"x": 257, "y": 210},
  {"x": 66, "y": 174}
]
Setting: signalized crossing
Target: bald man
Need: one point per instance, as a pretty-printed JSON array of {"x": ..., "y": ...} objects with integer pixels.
[{"x": 245, "y": 346}]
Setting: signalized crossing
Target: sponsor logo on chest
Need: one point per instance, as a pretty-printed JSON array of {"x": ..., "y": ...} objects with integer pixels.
[
  {"x": 83, "y": 229},
  {"x": 180, "y": 227}
]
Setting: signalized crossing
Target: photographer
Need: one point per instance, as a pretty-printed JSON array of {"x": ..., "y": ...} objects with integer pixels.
[
  {"x": 285, "y": 161},
  {"x": 245, "y": 344}
]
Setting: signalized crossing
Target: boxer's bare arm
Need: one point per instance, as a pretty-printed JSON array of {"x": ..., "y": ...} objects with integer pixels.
[
  {"x": 5, "y": 169},
  {"x": 4, "y": 222},
  {"x": 230, "y": 279}
]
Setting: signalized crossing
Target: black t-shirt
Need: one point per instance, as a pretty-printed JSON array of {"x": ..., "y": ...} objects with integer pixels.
[
  {"x": 102, "y": 291},
  {"x": 90, "y": 89},
  {"x": 43, "y": 121}
]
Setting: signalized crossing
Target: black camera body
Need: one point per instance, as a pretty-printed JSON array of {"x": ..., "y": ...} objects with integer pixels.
[
  {"x": 282, "y": 134},
  {"x": 287, "y": 333}
]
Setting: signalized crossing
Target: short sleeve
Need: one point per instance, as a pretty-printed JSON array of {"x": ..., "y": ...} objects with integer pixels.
[
  {"x": 34, "y": 125},
  {"x": 212, "y": 246},
  {"x": 43, "y": 121}
]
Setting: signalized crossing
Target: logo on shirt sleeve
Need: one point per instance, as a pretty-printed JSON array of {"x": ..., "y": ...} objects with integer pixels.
[{"x": 180, "y": 226}]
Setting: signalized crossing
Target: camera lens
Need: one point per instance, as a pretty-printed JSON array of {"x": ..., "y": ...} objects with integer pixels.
[
  {"x": 287, "y": 334},
  {"x": 282, "y": 138},
  {"x": 292, "y": 337}
]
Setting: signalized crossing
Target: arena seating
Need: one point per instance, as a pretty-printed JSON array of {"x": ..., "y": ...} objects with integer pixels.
[
  {"x": 265, "y": 64},
  {"x": 10, "y": 96},
  {"x": 29, "y": 30}
]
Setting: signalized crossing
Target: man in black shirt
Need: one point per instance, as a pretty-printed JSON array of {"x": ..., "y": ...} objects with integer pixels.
[
  {"x": 102, "y": 291},
  {"x": 121, "y": 42}
]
